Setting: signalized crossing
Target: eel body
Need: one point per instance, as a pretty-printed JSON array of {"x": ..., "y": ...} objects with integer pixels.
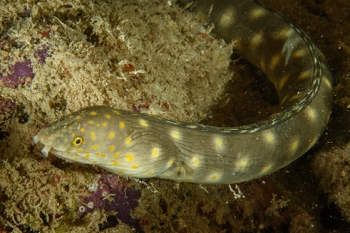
[{"x": 143, "y": 146}]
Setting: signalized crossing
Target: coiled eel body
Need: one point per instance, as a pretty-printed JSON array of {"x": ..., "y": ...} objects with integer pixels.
[{"x": 143, "y": 146}]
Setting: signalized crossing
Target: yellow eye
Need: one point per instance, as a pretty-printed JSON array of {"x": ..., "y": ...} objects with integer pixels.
[{"x": 78, "y": 140}]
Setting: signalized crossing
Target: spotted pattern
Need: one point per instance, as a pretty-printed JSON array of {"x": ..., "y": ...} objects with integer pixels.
[{"x": 141, "y": 145}]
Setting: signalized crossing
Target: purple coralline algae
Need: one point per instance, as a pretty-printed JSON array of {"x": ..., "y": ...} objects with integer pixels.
[
  {"x": 21, "y": 73},
  {"x": 111, "y": 195}
]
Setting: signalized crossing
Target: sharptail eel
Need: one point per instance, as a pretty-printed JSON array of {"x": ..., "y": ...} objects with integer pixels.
[{"x": 144, "y": 146}]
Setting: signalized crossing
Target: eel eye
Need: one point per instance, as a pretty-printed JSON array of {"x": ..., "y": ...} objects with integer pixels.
[{"x": 77, "y": 141}]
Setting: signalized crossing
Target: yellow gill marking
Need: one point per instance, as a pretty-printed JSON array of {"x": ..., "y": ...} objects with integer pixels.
[
  {"x": 300, "y": 53},
  {"x": 104, "y": 124},
  {"x": 111, "y": 148},
  {"x": 218, "y": 142},
  {"x": 114, "y": 163},
  {"x": 304, "y": 74},
  {"x": 93, "y": 136},
  {"x": 256, "y": 40},
  {"x": 90, "y": 122},
  {"x": 93, "y": 113},
  {"x": 262, "y": 64},
  {"x": 129, "y": 157},
  {"x": 269, "y": 137},
  {"x": 195, "y": 161},
  {"x": 285, "y": 32},
  {"x": 215, "y": 176},
  {"x": 111, "y": 135},
  {"x": 282, "y": 82},
  {"x": 150, "y": 172},
  {"x": 94, "y": 147},
  {"x": 134, "y": 166},
  {"x": 326, "y": 81},
  {"x": 241, "y": 164},
  {"x": 175, "y": 134},
  {"x": 227, "y": 18},
  {"x": 108, "y": 116},
  {"x": 311, "y": 113},
  {"x": 257, "y": 13},
  {"x": 170, "y": 162},
  {"x": 121, "y": 125},
  {"x": 294, "y": 146},
  {"x": 115, "y": 155},
  {"x": 143, "y": 123},
  {"x": 266, "y": 169},
  {"x": 128, "y": 140},
  {"x": 155, "y": 152},
  {"x": 274, "y": 61}
]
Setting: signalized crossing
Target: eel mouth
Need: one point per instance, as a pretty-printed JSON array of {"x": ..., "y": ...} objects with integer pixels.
[
  {"x": 45, "y": 151},
  {"x": 36, "y": 139}
]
